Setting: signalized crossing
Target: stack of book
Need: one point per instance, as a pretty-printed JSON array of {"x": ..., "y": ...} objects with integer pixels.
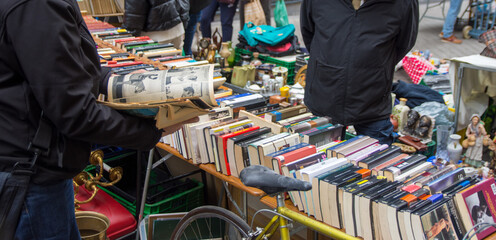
[
  {"x": 252, "y": 103},
  {"x": 230, "y": 143},
  {"x": 370, "y": 190},
  {"x": 122, "y": 63},
  {"x": 141, "y": 46},
  {"x": 95, "y": 25}
]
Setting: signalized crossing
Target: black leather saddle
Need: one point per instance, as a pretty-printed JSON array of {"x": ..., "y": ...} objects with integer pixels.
[{"x": 270, "y": 182}]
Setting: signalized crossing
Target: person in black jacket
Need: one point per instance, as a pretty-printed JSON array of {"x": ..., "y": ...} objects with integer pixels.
[
  {"x": 49, "y": 64},
  {"x": 161, "y": 20},
  {"x": 353, "y": 53}
]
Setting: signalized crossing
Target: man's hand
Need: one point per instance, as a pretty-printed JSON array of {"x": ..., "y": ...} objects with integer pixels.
[{"x": 177, "y": 126}]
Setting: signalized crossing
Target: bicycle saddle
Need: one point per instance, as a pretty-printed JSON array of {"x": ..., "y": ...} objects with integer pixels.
[{"x": 270, "y": 182}]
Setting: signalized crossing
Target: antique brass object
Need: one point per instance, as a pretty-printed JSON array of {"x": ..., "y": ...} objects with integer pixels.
[
  {"x": 92, "y": 225},
  {"x": 91, "y": 182}
]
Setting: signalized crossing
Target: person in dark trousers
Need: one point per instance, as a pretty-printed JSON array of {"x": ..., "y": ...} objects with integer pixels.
[
  {"x": 194, "y": 17},
  {"x": 227, "y": 12},
  {"x": 49, "y": 66},
  {"x": 353, "y": 52}
]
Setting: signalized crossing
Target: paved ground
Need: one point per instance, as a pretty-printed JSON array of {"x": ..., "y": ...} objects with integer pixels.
[{"x": 428, "y": 31}]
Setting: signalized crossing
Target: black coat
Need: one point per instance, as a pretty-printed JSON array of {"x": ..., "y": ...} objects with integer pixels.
[
  {"x": 49, "y": 62},
  {"x": 155, "y": 15},
  {"x": 353, "y": 54}
]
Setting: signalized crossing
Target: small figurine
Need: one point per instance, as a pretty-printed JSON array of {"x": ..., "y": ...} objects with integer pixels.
[
  {"x": 424, "y": 126},
  {"x": 203, "y": 48},
  {"x": 474, "y": 143},
  {"x": 211, "y": 53},
  {"x": 411, "y": 122},
  {"x": 484, "y": 172}
]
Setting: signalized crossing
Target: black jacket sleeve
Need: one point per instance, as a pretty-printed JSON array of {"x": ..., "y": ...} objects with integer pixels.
[
  {"x": 136, "y": 14},
  {"x": 306, "y": 23},
  {"x": 408, "y": 30},
  {"x": 58, "y": 59}
]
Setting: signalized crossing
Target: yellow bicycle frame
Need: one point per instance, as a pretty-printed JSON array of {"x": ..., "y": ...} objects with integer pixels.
[{"x": 272, "y": 226}]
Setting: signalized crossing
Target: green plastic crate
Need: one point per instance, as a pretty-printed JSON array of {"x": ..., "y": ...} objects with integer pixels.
[
  {"x": 91, "y": 168},
  {"x": 349, "y": 136},
  {"x": 181, "y": 202},
  {"x": 431, "y": 149},
  {"x": 267, "y": 59}
]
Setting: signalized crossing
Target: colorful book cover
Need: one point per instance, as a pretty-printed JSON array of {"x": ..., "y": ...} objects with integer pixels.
[
  {"x": 478, "y": 205},
  {"x": 437, "y": 224}
]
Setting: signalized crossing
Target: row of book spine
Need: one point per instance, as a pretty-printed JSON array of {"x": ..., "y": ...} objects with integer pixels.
[{"x": 368, "y": 189}]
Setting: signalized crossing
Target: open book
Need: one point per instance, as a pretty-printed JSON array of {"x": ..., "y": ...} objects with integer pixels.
[{"x": 170, "y": 96}]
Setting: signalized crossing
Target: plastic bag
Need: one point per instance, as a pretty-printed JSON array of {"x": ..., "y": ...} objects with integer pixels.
[
  {"x": 281, "y": 14},
  {"x": 254, "y": 13},
  {"x": 438, "y": 111}
]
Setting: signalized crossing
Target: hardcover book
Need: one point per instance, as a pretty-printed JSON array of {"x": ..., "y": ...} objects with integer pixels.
[
  {"x": 241, "y": 151},
  {"x": 303, "y": 126},
  {"x": 433, "y": 222},
  {"x": 378, "y": 169},
  {"x": 253, "y": 152},
  {"x": 365, "y": 201},
  {"x": 292, "y": 170},
  {"x": 358, "y": 156},
  {"x": 424, "y": 202},
  {"x": 286, "y": 158},
  {"x": 310, "y": 175},
  {"x": 296, "y": 119},
  {"x": 357, "y": 147},
  {"x": 285, "y": 113},
  {"x": 335, "y": 193},
  {"x": 207, "y": 139},
  {"x": 222, "y": 143},
  {"x": 325, "y": 203},
  {"x": 379, "y": 157},
  {"x": 445, "y": 181},
  {"x": 477, "y": 205},
  {"x": 274, "y": 146},
  {"x": 322, "y": 135},
  {"x": 235, "y": 151},
  {"x": 351, "y": 224},
  {"x": 403, "y": 165},
  {"x": 331, "y": 150},
  {"x": 436, "y": 175}
]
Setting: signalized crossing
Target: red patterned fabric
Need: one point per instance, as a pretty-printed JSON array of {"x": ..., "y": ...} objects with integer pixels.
[{"x": 416, "y": 67}]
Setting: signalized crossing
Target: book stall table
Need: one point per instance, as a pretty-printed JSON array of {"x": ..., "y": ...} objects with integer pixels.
[{"x": 236, "y": 182}]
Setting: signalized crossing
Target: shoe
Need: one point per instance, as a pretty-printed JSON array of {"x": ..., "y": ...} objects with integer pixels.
[
  {"x": 451, "y": 39},
  {"x": 441, "y": 35}
]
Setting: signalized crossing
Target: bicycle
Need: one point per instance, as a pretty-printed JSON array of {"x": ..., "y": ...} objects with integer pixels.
[{"x": 211, "y": 222}]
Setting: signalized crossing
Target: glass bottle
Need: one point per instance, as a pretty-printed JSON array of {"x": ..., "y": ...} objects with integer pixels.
[
  {"x": 232, "y": 56},
  {"x": 400, "y": 111}
]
